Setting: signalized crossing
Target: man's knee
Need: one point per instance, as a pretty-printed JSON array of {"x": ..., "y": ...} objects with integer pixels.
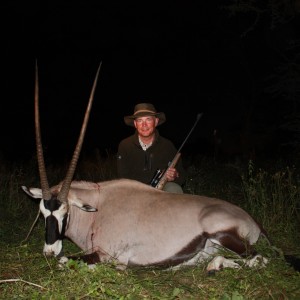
[{"x": 173, "y": 187}]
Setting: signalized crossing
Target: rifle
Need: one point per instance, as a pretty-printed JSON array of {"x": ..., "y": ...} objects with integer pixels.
[{"x": 160, "y": 177}]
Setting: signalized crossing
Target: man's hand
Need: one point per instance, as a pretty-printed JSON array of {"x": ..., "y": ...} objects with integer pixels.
[{"x": 172, "y": 174}]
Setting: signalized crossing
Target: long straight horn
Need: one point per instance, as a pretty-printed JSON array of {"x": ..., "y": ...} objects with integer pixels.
[
  {"x": 62, "y": 196},
  {"x": 39, "y": 147}
]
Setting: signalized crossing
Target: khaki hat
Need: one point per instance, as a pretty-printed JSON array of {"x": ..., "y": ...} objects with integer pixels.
[{"x": 144, "y": 109}]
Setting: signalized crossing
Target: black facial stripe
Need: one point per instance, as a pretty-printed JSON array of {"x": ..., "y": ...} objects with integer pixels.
[
  {"x": 64, "y": 225},
  {"x": 52, "y": 230},
  {"x": 52, "y": 204}
]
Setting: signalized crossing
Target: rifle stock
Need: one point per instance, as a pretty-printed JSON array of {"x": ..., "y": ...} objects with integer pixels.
[
  {"x": 163, "y": 178},
  {"x": 160, "y": 178}
]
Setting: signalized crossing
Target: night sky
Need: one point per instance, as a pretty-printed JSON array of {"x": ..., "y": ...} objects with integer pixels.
[{"x": 185, "y": 58}]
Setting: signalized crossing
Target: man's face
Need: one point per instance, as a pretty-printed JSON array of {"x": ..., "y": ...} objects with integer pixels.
[{"x": 146, "y": 125}]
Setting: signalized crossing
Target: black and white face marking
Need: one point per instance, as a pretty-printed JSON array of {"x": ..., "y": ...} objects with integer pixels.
[{"x": 56, "y": 215}]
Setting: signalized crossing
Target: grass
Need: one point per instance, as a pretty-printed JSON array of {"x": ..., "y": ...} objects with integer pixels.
[{"x": 271, "y": 197}]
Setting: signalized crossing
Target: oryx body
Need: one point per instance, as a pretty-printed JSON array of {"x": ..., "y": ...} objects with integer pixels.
[{"x": 133, "y": 224}]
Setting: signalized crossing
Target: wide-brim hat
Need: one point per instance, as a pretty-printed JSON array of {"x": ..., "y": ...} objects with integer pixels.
[{"x": 144, "y": 109}]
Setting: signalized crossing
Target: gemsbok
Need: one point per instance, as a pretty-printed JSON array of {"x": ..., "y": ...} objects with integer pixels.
[{"x": 130, "y": 224}]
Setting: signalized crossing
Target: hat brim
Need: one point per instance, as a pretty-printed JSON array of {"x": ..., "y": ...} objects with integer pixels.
[{"x": 129, "y": 120}]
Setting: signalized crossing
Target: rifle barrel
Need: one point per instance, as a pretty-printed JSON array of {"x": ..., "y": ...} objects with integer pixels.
[{"x": 197, "y": 119}]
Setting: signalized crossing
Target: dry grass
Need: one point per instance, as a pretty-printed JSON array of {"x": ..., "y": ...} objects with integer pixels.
[{"x": 26, "y": 274}]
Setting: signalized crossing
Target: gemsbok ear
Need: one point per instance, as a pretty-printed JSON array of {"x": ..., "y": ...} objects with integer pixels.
[{"x": 35, "y": 193}]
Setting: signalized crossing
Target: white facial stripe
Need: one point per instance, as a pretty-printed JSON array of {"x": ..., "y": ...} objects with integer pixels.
[
  {"x": 45, "y": 212},
  {"x": 59, "y": 215}
]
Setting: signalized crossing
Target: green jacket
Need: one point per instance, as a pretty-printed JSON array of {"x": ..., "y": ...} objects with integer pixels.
[{"x": 135, "y": 163}]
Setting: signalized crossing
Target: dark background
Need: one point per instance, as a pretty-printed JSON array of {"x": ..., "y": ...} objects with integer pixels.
[{"x": 186, "y": 57}]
